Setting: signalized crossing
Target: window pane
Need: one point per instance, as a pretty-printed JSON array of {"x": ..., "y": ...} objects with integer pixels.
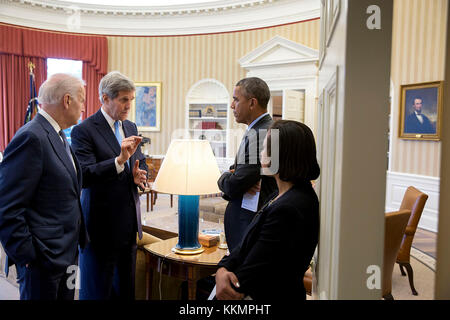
[{"x": 73, "y": 67}]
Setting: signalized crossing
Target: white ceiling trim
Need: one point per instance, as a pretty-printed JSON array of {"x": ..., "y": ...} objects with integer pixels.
[
  {"x": 185, "y": 9},
  {"x": 212, "y": 17}
]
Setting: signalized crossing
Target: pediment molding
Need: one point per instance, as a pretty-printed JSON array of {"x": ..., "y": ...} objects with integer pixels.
[{"x": 279, "y": 51}]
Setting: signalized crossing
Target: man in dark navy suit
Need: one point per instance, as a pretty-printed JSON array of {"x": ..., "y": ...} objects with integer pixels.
[
  {"x": 113, "y": 166},
  {"x": 41, "y": 223},
  {"x": 417, "y": 122},
  {"x": 250, "y": 98}
]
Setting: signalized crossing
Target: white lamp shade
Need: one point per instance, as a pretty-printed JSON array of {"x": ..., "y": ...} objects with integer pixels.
[{"x": 189, "y": 168}]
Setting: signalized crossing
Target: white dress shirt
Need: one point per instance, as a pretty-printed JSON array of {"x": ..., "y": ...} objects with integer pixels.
[
  {"x": 57, "y": 128},
  {"x": 111, "y": 122},
  {"x": 419, "y": 117}
]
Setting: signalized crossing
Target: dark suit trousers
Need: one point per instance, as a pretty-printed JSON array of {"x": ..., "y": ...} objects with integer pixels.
[
  {"x": 36, "y": 283},
  {"x": 108, "y": 275}
]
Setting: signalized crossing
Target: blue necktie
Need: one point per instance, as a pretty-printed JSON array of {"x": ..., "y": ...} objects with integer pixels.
[
  {"x": 119, "y": 136},
  {"x": 117, "y": 132}
]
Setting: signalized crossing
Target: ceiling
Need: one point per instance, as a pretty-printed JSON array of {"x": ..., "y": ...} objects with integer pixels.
[
  {"x": 139, "y": 3},
  {"x": 157, "y": 17}
]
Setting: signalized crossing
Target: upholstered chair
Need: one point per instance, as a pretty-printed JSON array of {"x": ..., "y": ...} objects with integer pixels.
[
  {"x": 166, "y": 288},
  {"x": 394, "y": 228},
  {"x": 140, "y": 264},
  {"x": 307, "y": 282},
  {"x": 413, "y": 200}
]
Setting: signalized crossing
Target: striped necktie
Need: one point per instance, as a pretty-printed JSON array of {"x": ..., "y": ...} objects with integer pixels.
[{"x": 66, "y": 146}]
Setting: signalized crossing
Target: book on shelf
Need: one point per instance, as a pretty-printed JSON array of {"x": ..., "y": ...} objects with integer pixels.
[
  {"x": 195, "y": 113},
  {"x": 209, "y": 125},
  {"x": 222, "y": 113}
]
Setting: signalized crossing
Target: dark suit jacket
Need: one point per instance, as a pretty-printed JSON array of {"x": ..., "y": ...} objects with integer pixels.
[
  {"x": 413, "y": 125},
  {"x": 247, "y": 172},
  {"x": 110, "y": 201},
  {"x": 40, "y": 211},
  {"x": 278, "y": 246}
]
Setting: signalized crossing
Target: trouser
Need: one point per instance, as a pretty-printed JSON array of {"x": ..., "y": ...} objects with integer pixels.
[
  {"x": 37, "y": 283},
  {"x": 108, "y": 275}
]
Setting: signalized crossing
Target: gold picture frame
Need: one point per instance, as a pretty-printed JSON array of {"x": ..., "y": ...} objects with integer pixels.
[
  {"x": 421, "y": 111},
  {"x": 146, "y": 107}
]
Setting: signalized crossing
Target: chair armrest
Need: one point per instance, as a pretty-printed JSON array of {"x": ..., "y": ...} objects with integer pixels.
[{"x": 147, "y": 239}]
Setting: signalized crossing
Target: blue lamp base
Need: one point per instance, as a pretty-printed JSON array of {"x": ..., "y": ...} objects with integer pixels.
[{"x": 188, "y": 208}]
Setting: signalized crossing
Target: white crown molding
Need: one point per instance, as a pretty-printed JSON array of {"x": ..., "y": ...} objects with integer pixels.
[{"x": 212, "y": 17}]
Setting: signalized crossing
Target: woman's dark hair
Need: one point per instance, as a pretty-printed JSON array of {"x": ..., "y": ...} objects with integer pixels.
[{"x": 297, "y": 151}]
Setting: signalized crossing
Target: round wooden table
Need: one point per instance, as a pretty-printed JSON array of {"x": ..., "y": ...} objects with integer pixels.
[{"x": 159, "y": 257}]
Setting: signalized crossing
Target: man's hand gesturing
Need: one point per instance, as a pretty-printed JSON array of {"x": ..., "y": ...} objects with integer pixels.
[{"x": 128, "y": 148}]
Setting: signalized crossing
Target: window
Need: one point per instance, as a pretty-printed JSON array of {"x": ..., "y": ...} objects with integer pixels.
[{"x": 73, "y": 67}]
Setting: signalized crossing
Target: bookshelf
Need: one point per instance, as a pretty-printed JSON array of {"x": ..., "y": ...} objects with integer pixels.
[
  {"x": 209, "y": 121},
  {"x": 207, "y": 115}
]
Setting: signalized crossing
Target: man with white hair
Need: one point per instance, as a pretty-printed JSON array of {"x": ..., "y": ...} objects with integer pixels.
[
  {"x": 107, "y": 145},
  {"x": 41, "y": 223}
]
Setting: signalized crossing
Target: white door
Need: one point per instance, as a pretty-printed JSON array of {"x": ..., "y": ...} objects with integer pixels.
[
  {"x": 354, "y": 73},
  {"x": 294, "y": 105}
]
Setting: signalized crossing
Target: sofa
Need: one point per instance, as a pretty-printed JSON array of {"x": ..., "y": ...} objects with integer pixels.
[{"x": 212, "y": 207}]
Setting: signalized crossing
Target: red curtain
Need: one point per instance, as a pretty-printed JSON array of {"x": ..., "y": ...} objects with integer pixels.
[
  {"x": 15, "y": 92},
  {"x": 20, "y": 45},
  {"x": 92, "y": 78}
]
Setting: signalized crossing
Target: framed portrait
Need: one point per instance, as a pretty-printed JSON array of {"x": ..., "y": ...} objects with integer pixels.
[
  {"x": 421, "y": 111},
  {"x": 146, "y": 107}
]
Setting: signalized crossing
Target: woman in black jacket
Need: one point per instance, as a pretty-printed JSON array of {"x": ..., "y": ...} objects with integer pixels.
[{"x": 278, "y": 245}]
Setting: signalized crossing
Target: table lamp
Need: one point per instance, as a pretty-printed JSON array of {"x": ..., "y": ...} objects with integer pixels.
[{"x": 189, "y": 170}]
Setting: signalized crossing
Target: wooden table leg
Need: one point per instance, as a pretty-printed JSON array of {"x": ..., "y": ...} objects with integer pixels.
[
  {"x": 192, "y": 284},
  {"x": 171, "y": 200},
  {"x": 152, "y": 200},
  {"x": 147, "y": 201}
]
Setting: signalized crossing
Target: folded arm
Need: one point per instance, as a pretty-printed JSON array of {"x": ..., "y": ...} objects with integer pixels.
[{"x": 235, "y": 184}]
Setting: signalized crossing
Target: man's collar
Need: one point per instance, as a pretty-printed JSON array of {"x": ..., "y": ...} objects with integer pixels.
[
  {"x": 52, "y": 121},
  {"x": 108, "y": 118},
  {"x": 256, "y": 120}
]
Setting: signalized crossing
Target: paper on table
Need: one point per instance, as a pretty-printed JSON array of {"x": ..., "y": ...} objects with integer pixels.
[
  {"x": 250, "y": 201},
  {"x": 213, "y": 294}
]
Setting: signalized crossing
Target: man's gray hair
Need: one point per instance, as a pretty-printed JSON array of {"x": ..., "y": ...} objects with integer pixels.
[
  {"x": 54, "y": 88},
  {"x": 255, "y": 88},
  {"x": 113, "y": 83}
]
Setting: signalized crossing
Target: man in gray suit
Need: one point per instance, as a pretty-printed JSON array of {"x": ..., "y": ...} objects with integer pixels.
[{"x": 250, "y": 99}]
